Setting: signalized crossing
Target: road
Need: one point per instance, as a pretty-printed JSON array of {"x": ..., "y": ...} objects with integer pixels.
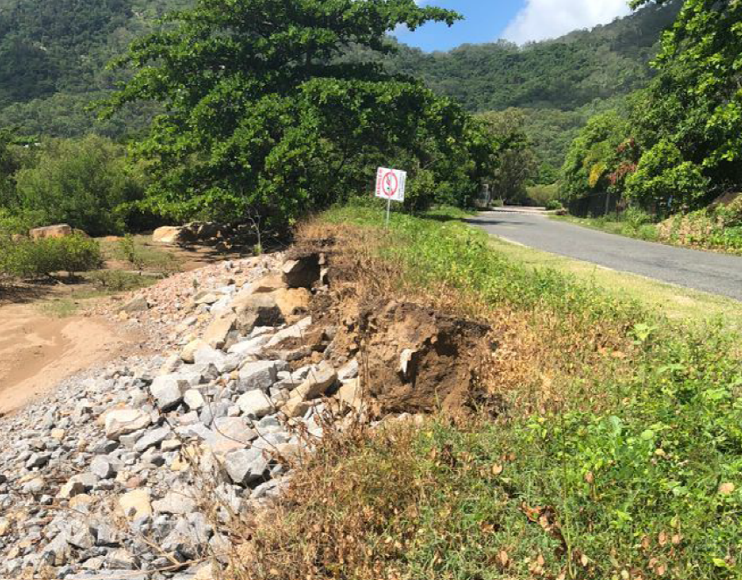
[{"x": 707, "y": 271}]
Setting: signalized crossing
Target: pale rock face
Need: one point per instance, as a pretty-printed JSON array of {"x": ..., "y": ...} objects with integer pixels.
[
  {"x": 135, "y": 504},
  {"x": 124, "y": 421},
  {"x": 168, "y": 391},
  {"x": 56, "y": 231},
  {"x": 255, "y": 404},
  {"x": 217, "y": 332},
  {"x": 167, "y": 235}
]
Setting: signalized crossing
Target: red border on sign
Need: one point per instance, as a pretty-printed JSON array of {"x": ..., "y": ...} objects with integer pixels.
[{"x": 396, "y": 184}]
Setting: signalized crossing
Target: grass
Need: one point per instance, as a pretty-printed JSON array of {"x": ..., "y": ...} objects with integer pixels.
[
  {"x": 618, "y": 454},
  {"x": 96, "y": 284},
  {"x": 613, "y": 225},
  {"x": 138, "y": 251},
  {"x": 675, "y": 302}
]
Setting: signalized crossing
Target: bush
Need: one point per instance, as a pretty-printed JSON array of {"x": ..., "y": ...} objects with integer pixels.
[
  {"x": 666, "y": 183},
  {"x": 543, "y": 194},
  {"x": 79, "y": 182},
  {"x": 554, "y": 204},
  {"x": 29, "y": 258}
]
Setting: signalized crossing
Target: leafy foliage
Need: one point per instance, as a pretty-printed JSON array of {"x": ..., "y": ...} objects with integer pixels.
[
  {"x": 261, "y": 117},
  {"x": 26, "y": 258},
  {"x": 687, "y": 123},
  {"x": 81, "y": 182}
]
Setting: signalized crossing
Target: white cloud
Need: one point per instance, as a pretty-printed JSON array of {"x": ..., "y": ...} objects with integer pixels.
[{"x": 542, "y": 19}]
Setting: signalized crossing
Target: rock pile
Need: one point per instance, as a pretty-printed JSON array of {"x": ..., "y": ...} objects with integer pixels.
[{"x": 136, "y": 471}]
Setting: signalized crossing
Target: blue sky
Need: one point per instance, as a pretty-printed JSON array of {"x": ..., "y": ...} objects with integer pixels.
[{"x": 517, "y": 20}]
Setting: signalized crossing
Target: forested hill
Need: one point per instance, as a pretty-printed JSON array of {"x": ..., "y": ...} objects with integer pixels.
[
  {"x": 566, "y": 73},
  {"x": 53, "y": 56}
]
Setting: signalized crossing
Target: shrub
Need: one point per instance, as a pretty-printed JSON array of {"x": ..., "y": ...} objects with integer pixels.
[
  {"x": 543, "y": 194},
  {"x": 79, "y": 182},
  {"x": 29, "y": 258},
  {"x": 554, "y": 204},
  {"x": 665, "y": 182}
]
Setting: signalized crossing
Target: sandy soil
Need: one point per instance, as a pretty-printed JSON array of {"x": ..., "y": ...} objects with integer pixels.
[{"x": 37, "y": 351}]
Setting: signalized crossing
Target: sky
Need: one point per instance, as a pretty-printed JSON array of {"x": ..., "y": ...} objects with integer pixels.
[{"x": 519, "y": 21}]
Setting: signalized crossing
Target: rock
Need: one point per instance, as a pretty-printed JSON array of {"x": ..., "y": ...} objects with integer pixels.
[
  {"x": 57, "y": 434},
  {"x": 56, "y": 231},
  {"x": 245, "y": 466},
  {"x": 37, "y": 460},
  {"x": 255, "y": 404},
  {"x": 35, "y": 486},
  {"x": 348, "y": 371},
  {"x": 193, "y": 399},
  {"x": 175, "y": 502},
  {"x": 135, "y": 504},
  {"x": 216, "y": 333},
  {"x": 301, "y": 272},
  {"x": 256, "y": 310},
  {"x": 297, "y": 330},
  {"x": 351, "y": 394},
  {"x": 292, "y": 301},
  {"x": 258, "y": 375},
  {"x": 249, "y": 347},
  {"x": 121, "y": 559},
  {"x": 56, "y": 552},
  {"x": 152, "y": 439},
  {"x": 168, "y": 391},
  {"x": 102, "y": 467},
  {"x": 124, "y": 421},
  {"x": 71, "y": 489},
  {"x": 167, "y": 235},
  {"x": 296, "y": 407},
  {"x": 138, "y": 304},
  {"x": 321, "y": 378},
  {"x": 188, "y": 354},
  {"x": 4, "y": 526},
  {"x": 206, "y": 297}
]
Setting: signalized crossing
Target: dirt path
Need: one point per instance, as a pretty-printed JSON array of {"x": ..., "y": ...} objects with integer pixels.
[{"x": 37, "y": 351}]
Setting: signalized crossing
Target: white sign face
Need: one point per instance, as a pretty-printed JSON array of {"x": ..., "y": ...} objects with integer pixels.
[{"x": 390, "y": 184}]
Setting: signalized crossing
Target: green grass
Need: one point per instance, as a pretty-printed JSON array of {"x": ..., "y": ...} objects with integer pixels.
[
  {"x": 675, "y": 302},
  {"x": 138, "y": 251},
  {"x": 612, "y": 225},
  {"x": 642, "y": 480},
  {"x": 97, "y": 284}
]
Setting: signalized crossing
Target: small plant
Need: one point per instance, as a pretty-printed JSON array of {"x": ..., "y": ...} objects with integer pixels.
[
  {"x": 554, "y": 204},
  {"x": 130, "y": 251}
]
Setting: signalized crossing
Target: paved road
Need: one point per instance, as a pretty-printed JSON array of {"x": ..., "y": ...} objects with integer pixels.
[{"x": 707, "y": 271}]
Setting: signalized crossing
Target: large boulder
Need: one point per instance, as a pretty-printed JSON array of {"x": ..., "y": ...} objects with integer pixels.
[
  {"x": 168, "y": 235},
  {"x": 56, "y": 231},
  {"x": 256, "y": 309},
  {"x": 292, "y": 301}
]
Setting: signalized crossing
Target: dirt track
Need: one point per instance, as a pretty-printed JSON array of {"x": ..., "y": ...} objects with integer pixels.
[{"x": 37, "y": 351}]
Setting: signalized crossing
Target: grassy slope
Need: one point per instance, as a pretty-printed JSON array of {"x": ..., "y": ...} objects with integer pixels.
[
  {"x": 618, "y": 453},
  {"x": 675, "y": 302}
]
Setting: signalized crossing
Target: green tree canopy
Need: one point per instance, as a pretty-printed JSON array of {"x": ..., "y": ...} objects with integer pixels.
[{"x": 260, "y": 114}]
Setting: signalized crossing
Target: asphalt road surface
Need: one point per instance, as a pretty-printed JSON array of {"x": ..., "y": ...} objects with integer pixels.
[{"x": 707, "y": 271}]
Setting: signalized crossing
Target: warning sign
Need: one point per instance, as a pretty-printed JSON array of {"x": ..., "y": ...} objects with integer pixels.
[{"x": 390, "y": 184}]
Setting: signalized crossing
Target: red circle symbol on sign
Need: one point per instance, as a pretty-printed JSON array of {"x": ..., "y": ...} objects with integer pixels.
[{"x": 389, "y": 184}]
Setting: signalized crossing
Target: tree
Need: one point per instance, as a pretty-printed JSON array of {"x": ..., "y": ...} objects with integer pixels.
[
  {"x": 515, "y": 162},
  {"x": 261, "y": 115},
  {"x": 695, "y": 103},
  {"x": 595, "y": 156},
  {"x": 80, "y": 182}
]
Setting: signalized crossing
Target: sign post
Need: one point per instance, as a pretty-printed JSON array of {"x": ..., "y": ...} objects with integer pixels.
[{"x": 390, "y": 185}]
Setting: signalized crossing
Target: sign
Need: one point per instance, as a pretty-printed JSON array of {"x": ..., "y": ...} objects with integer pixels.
[{"x": 390, "y": 184}]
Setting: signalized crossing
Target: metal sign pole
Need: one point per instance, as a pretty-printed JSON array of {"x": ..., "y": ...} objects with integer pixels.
[{"x": 388, "y": 209}]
